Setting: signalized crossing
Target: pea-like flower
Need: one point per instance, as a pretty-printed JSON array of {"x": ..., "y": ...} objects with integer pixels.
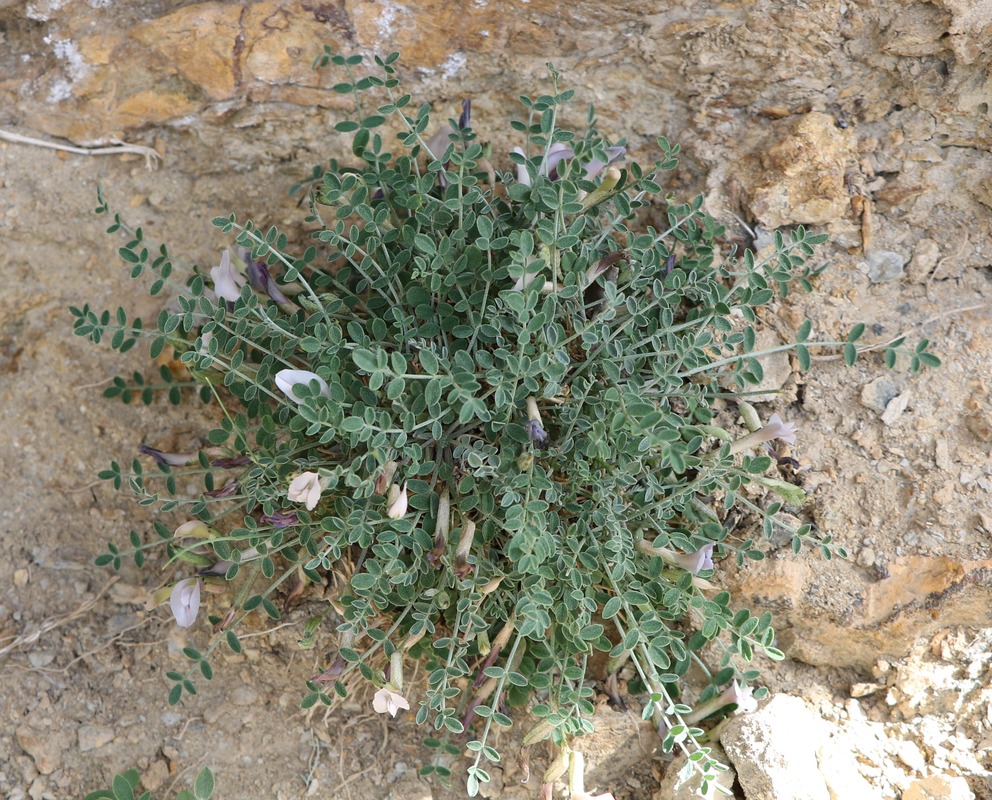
[
  {"x": 778, "y": 429},
  {"x": 281, "y": 519},
  {"x": 775, "y": 428},
  {"x": 305, "y": 488},
  {"x": 168, "y": 459},
  {"x": 694, "y": 563},
  {"x": 735, "y": 694},
  {"x": 559, "y": 152},
  {"x": 534, "y": 426},
  {"x": 261, "y": 281},
  {"x": 398, "y": 502},
  {"x": 287, "y": 379},
  {"x": 185, "y": 601},
  {"x": 386, "y": 699},
  {"x": 227, "y": 280}
]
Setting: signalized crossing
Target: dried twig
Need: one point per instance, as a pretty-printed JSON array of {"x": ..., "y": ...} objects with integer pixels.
[
  {"x": 56, "y": 622},
  {"x": 116, "y": 148}
]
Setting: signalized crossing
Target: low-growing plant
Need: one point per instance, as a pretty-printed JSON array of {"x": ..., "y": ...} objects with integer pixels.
[
  {"x": 480, "y": 405},
  {"x": 125, "y": 787}
]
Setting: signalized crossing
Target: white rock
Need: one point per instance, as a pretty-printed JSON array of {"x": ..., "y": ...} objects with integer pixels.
[
  {"x": 839, "y": 769},
  {"x": 910, "y": 755},
  {"x": 774, "y": 751},
  {"x": 895, "y": 407}
]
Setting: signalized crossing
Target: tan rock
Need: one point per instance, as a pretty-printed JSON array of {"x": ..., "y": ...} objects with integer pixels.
[
  {"x": 970, "y": 29},
  {"x": 836, "y": 614},
  {"x": 939, "y": 787},
  {"x": 202, "y": 42},
  {"x": 797, "y": 175},
  {"x": 44, "y": 748}
]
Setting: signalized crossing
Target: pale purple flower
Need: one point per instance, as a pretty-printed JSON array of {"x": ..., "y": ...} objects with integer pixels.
[
  {"x": 559, "y": 152},
  {"x": 777, "y": 429},
  {"x": 286, "y": 379},
  {"x": 227, "y": 280},
  {"x": 167, "y": 459},
  {"x": 595, "y": 166},
  {"x": 185, "y": 601},
  {"x": 397, "y": 502},
  {"x": 388, "y": 700},
  {"x": 536, "y": 432},
  {"x": 695, "y": 563},
  {"x": 305, "y": 488}
]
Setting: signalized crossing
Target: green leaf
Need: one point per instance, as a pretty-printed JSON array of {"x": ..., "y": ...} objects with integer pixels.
[
  {"x": 204, "y": 785},
  {"x": 365, "y": 360},
  {"x": 122, "y": 788}
]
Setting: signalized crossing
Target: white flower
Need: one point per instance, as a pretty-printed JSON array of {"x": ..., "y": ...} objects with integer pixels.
[
  {"x": 695, "y": 563},
  {"x": 286, "y": 379},
  {"x": 740, "y": 696},
  {"x": 185, "y": 601},
  {"x": 305, "y": 488},
  {"x": 388, "y": 700},
  {"x": 397, "y": 502},
  {"x": 227, "y": 280}
]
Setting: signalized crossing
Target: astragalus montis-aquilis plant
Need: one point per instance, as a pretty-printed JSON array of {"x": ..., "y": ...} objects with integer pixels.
[{"x": 480, "y": 403}]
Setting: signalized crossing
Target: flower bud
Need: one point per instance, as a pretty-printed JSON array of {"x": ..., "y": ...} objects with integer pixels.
[
  {"x": 397, "y": 503},
  {"x": 385, "y": 478},
  {"x": 286, "y": 379}
]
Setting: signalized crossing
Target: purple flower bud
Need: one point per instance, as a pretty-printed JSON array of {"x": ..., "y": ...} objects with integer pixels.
[
  {"x": 225, "y": 491},
  {"x": 185, "y": 601},
  {"x": 281, "y": 519},
  {"x": 261, "y": 281},
  {"x": 168, "y": 459},
  {"x": 465, "y": 120}
]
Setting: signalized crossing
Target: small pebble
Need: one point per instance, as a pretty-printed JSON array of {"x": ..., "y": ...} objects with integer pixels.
[
  {"x": 884, "y": 265},
  {"x": 895, "y": 407},
  {"x": 93, "y": 737}
]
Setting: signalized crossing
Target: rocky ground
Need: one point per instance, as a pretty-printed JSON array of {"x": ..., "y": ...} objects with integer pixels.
[{"x": 874, "y": 128}]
